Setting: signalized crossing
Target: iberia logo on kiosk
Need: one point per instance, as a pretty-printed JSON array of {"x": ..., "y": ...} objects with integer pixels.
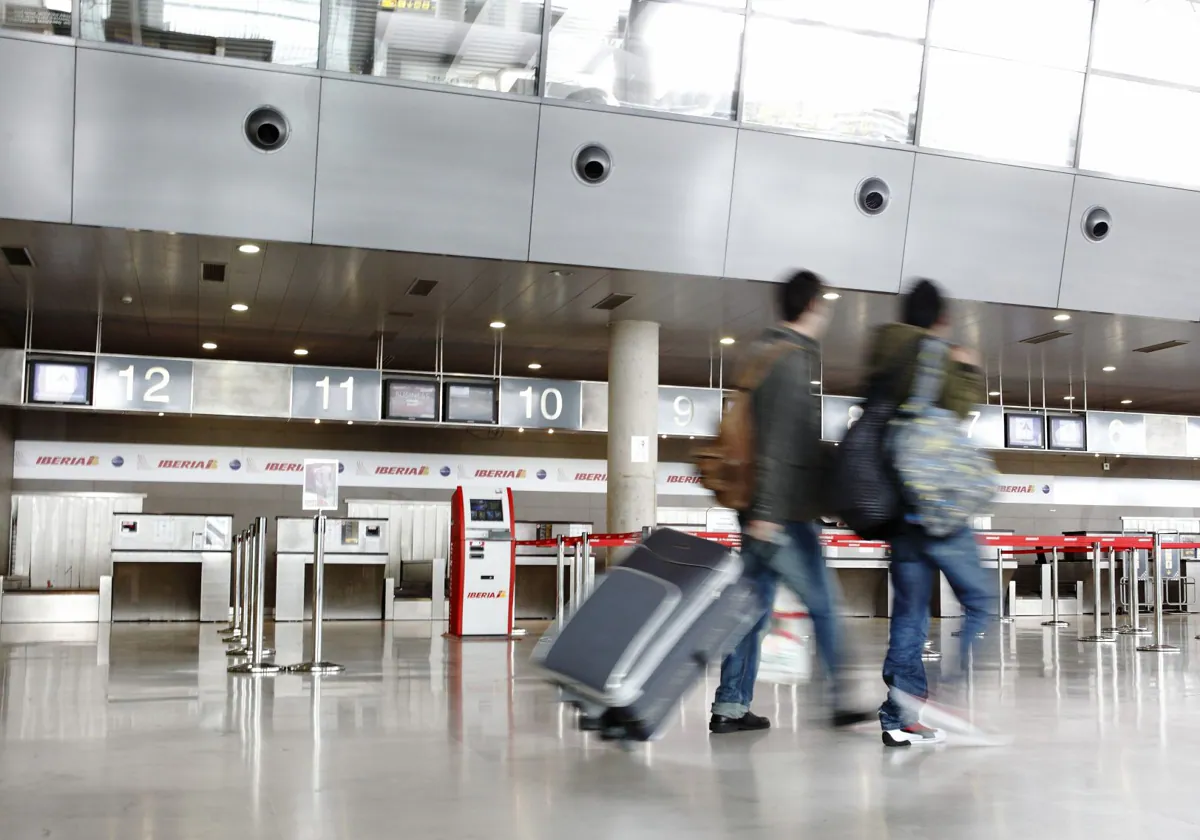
[{"x": 492, "y": 595}]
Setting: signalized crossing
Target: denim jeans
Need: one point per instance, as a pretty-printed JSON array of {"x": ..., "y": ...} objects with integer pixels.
[
  {"x": 916, "y": 560},
  {"x": 801, "y": 566}
]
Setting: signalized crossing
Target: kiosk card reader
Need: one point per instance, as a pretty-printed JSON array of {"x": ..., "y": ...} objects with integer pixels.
[{"x": 483, "y": 562}]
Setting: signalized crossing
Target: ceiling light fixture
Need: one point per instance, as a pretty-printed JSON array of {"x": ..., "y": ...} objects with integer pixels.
[
  {"x": 127, "y": 299},
  {"x": 993, "y": 393},
  {"x": 831, "y": 296},
  {"x": 249, "y": 248},
  {"x": 1069, "y": 398},
  {"x": 318, "y": 421},
  {"x": 240, "y": 307},
  {"x": 1108, "y": 368},
  {"x": 534, "y": 366},
  {"x": 209, "y": 345},
  {"x": 300, "y": 351},
  {"x": 1062, "y": 316},
  {"x": 497, "y": 325},
  {"x": 349, "y": 422},
  {"x": 561, "y": 272},
  {"x": 728, "y": 340},
  {"x": 1126, "y": 402},
  {"x": 815, "y": 382},
  {"x": 520, "y": 431},
  {"x": 550, "y": 431}
]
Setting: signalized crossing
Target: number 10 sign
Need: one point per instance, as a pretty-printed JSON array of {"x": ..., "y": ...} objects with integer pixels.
[{"x": 540, "y": 403}]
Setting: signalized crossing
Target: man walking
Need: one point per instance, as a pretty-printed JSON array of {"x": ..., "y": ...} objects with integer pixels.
[
  {"x": 780, "y": 540},
  {"x": 917, "y": 557}
]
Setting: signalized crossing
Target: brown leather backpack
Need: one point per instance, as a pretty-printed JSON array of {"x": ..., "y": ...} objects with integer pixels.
[{"x": 726, "y": 464}]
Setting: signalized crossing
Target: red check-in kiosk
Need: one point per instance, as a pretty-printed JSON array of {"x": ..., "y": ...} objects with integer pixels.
[{"x": 483, "y": 562}]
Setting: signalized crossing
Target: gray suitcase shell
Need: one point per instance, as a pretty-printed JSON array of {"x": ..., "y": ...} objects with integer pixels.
[{"x": 630, "y": 652}]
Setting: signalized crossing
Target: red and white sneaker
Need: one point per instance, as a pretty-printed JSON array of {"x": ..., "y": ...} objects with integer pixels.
[{"x": 917, "y": 734}]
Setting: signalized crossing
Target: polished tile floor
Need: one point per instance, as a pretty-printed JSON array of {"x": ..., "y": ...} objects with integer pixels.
[{"x": 138, "y": 732}]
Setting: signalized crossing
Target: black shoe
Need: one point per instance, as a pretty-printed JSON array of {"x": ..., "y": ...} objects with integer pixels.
[
  {"x": 749, "y": 722},
  {"x": 842, "y": 719}
]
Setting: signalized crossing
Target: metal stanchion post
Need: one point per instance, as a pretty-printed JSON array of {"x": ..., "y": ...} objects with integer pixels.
[
  {"x": 257, "y": 664},
  {"x": 1112, "y": 592},
  {"x": 589, "y": 567},
  {"x": 234, "y": 631},
  {"x": 559, "y": 563},
  {"x": 1158, "y": 645},
  {"x": 1097, "y": 634},
  {"x": 241, "y": 644},
  {"x": 1055, "y": 621},
  {"x": 1000, "y": 616},
  {"x": 317, "y": 665},
  {"x": 1134, "y": 628}
]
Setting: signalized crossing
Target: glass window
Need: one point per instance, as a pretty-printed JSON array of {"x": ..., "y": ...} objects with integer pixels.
[
  {"x": 906, "y": 18},
  {"x": 1053, "y": 32},
  {"x": 680, "y": 57},
  {"x": 1154, "y": 40},
  {"x": 276, "y": 31},
  {"x": 1142, "y": 131},
  {"x": 1001, "y": 109},
  {"x": 45, "y": 17},
  {"x": 482, "y": 44},
  {"x": 833, "y": 81}
]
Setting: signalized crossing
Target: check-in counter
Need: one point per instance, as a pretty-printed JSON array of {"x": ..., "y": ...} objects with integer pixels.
[
  {"x": 862, "y": 573},
  {"x": 537, "y": 572},
  {"x": 169, "y": 567},
  {"x": 356, "y": 556},
  {"x": 946, "y": 605}
]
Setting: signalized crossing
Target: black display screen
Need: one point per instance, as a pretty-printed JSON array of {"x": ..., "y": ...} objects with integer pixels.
[
  {"x": 487, "y": 510},
  {"x": 1024, "y": 431},
  {"x": 60, "y": 383},
  {"x": 1068, "y": 433},
  {"x": 471, "y": 403},
  {"x": 408, "y": 399}
]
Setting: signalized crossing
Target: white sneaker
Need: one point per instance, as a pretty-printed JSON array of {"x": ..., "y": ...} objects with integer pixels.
[{"x": 917, "y": 734}]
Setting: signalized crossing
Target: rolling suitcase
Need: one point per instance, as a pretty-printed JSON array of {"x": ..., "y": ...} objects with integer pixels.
[{"x": 648, "y": 632}]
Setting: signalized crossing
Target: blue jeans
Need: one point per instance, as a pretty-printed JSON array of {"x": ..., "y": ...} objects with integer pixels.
[
  {"x": 916, "y": 560},
  {"x": 801, "y": 566}
]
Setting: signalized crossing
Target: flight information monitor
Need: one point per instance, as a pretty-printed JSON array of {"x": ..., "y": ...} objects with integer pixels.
[
  {"x": 60, "y": 383},
  {"x": 408, "y": 399},
  {"x": 474, "y": 403}
]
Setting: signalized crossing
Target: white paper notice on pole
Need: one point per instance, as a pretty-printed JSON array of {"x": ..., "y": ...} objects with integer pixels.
[
  {"x": 639, "y": 449},
  {"x": 320, "y": 484}
]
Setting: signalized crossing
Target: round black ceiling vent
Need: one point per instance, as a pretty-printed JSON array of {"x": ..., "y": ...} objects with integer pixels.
[
  {"x": 873, "y": 196},
  {"x": 1097, "y": 224},
  {"x": 593, "y": 164},
  {"x": 267, "y": 129}
]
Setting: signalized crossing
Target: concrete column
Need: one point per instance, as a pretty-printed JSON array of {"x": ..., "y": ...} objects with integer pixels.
[{"x": 632, "y": 425}]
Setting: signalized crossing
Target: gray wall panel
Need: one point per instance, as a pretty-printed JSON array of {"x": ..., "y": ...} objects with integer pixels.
[
  {"x": 664, "y": 207},
  {"x": 37, "y": 95},
  {"x": 794, "y": 204},
  {"x": 1147, "y": 263},
  {"x": 160, "y": 145},
  {"x": 987, "y": 231},
  {"x": 415, "y": 170}
]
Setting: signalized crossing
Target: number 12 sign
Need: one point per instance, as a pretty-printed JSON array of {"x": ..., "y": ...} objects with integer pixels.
[
  {"x": 335, "y": 394},
  {"x": 127, "y": 383}
]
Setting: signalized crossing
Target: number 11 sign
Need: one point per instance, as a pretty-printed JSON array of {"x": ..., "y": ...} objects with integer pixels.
[{"x": 335, "y": 393}]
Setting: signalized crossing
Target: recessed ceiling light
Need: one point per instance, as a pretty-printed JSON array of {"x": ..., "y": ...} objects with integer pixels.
[
  {"x": 534, "y": 366},
  {"x": 1068, "y": 398},
  {"x": 1108, "y": 368},
  {"x": 550, "y": 431},
  {"x": 240, "y": 307},
  {"x": 127, "y": 299},
  {"x": 1062, "y": 316},
  {"x": 561, "y": 272},
  {"x": 993, "y": 393},
  {"x": 497, "y": 325},
  {"x": 249, "y": 248},
  {"x": 728, "y": 340},
  {"x": 815, "y": 382},
  {"x": 209, "y": 345},
  {"x": 519, "y": 431},
  {"x": 162, "y": 414},
  {"x": 349, "y": 422},
  {"x": 1126, "y": 402},
  {"x": 831, "y": 296},
  {"x": 300, "y": 351},
  {"x": 318, "y": 421}
]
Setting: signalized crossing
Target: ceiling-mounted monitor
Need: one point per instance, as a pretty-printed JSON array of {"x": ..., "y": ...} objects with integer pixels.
[
  {"x": 410, "y": 399},
  {"x": 1068, "y": 433},
  {"x": 470, "y": 402},
  {"x": 1024, "y": 430},
  {"x": 60, "y": 382}
]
